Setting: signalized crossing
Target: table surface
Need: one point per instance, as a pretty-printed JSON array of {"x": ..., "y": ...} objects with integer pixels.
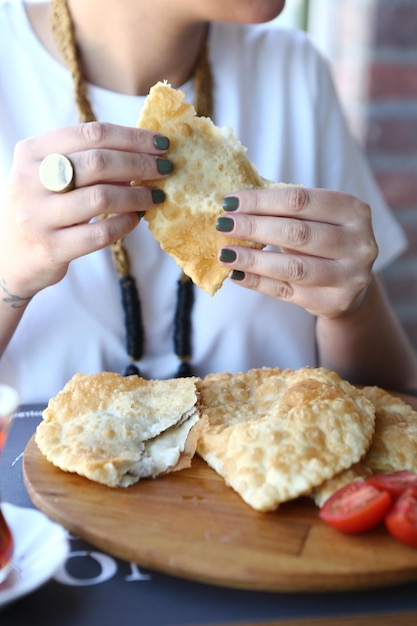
[{"x": 98, "y": 588}]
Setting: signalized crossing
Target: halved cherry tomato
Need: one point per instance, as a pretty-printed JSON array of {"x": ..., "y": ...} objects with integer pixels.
[
  {"x": 401, "y": 521},
  {"x": 395, "y": 482},
  {"x": 356, "y": 507}
]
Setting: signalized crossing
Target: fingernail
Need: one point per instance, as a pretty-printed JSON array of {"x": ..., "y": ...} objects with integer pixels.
[
  {"x": 227, "y": 256},
  {"x": 164, "y": 166},
  {"x": 161, "y": 142},
  {"x": 158, "y": 196},
  {"x": 237, "y": 275},
  {"x": 230, "y": 204},
  {"x": 224, "y": 224}
]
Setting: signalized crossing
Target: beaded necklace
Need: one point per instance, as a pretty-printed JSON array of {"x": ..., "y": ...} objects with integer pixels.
[{"x": 63, "y": 31}]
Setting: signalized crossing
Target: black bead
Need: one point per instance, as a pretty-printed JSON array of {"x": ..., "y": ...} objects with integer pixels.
[
  {"x": 131, "y": 370},
  {"x": 133, "y": 318},
  {"x": 182, "y": 319},
  {"x": 185, "y": 370}
]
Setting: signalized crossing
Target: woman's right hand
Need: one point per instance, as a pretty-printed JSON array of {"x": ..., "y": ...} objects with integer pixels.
[{"x": 41, "y": 231}]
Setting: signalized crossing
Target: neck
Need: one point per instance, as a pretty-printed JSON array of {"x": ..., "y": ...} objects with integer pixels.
[{"x": 132, "y": 49}]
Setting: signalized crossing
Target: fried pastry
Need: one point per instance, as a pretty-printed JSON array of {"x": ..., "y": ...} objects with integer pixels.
[
  {"x": 209, "y": 163},
  {"x": 274, "y": 434},
  {"x": 393, "y": 447},
  {"x": 116, "y": 430},
  {"x": 394, "y": 444},
  {"x": 358, "y": 471}
]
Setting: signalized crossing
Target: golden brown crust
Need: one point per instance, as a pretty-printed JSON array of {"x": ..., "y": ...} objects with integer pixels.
[
  {"x": 275, "y": 434},
  {"x": 394, "y": 444},
  {"x": 358, "y": 471},
  {"x": 116, "y": 430},
  {"x": 209, "y": 163}
]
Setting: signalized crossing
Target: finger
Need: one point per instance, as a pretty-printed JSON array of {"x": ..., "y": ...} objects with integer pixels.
[
  {"x": 97, "y": 165},
  {"x": 329, "y": 302},
  {"x": 83, "y": 239},
  {"x": 314, "y": 238},
  {"x": 322, "y": 205},
  {"x": 83, "y": 204},
  {"x": 287, "y": 268},
  {"x": 93, "y": 135}
]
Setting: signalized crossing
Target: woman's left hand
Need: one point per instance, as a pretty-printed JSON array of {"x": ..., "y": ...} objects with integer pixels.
[{"x": 326, "y": 246}]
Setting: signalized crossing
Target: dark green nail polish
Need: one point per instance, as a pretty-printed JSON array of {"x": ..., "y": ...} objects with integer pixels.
[
  {"x": 227, "y": 256},
  {"x": 158, "y": 196},
  {"x": 164, "y": 166},
  {"x": 230, "y": 204},
  {"x": 161, "y": 142},
  {"x": 237, "y": 275},
  {"x": 224, "y": 224}
]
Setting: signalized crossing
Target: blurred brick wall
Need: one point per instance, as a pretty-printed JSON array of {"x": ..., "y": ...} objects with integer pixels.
[{"x": 373, "y": 48}]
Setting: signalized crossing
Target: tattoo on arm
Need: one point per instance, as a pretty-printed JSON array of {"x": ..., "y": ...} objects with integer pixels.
[{"x": 15, "y": 301}]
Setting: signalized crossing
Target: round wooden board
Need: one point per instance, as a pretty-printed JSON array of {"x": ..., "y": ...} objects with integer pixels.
[{"x": 190, "y": 524}]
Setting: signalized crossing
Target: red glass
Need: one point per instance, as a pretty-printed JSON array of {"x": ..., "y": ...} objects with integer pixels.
[
  {"x": 8, "y": 405},
  {"x": 6, "y": 547}
]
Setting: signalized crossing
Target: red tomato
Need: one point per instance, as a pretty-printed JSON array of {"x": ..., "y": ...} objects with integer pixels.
[
  {"x": 401, "y": 521},
  {"x": 356, "y": 507},
  {"x": 395, "y": 483}
]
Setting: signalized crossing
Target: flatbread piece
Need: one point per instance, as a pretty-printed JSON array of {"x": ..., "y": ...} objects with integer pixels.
[
  {"x": 393, "y": 446},
  {"x": 209, "y": 163},
  {"x": 116, "y": 430},
  {"x": 274, "y": 434}
]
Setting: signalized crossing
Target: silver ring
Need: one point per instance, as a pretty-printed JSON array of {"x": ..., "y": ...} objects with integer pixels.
[{"x": 57, "y": 173}]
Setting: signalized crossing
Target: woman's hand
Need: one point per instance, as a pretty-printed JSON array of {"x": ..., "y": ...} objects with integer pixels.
[
  {"x": 325, "y": 240},
  {"x": 41, "y": 232}
]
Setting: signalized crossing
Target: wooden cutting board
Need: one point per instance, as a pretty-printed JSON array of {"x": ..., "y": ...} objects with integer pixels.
[{"x": 190, "y": 524}]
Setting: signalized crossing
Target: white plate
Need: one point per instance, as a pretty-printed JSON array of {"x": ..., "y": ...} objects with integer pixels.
[{"x": 40, "y": 547}]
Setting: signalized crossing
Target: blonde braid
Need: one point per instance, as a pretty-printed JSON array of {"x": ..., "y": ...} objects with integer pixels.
[
  {"x": 63, "y": 31},
  {"x": 203, "y": 84}
]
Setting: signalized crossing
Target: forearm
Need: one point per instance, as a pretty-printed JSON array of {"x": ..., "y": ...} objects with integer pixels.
[
  {"x": 12, "y": 308},
  {"x": 368, "y": 346}
]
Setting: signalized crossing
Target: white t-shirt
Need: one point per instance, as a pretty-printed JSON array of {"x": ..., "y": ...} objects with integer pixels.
[{"x": 275, "y": 91}]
